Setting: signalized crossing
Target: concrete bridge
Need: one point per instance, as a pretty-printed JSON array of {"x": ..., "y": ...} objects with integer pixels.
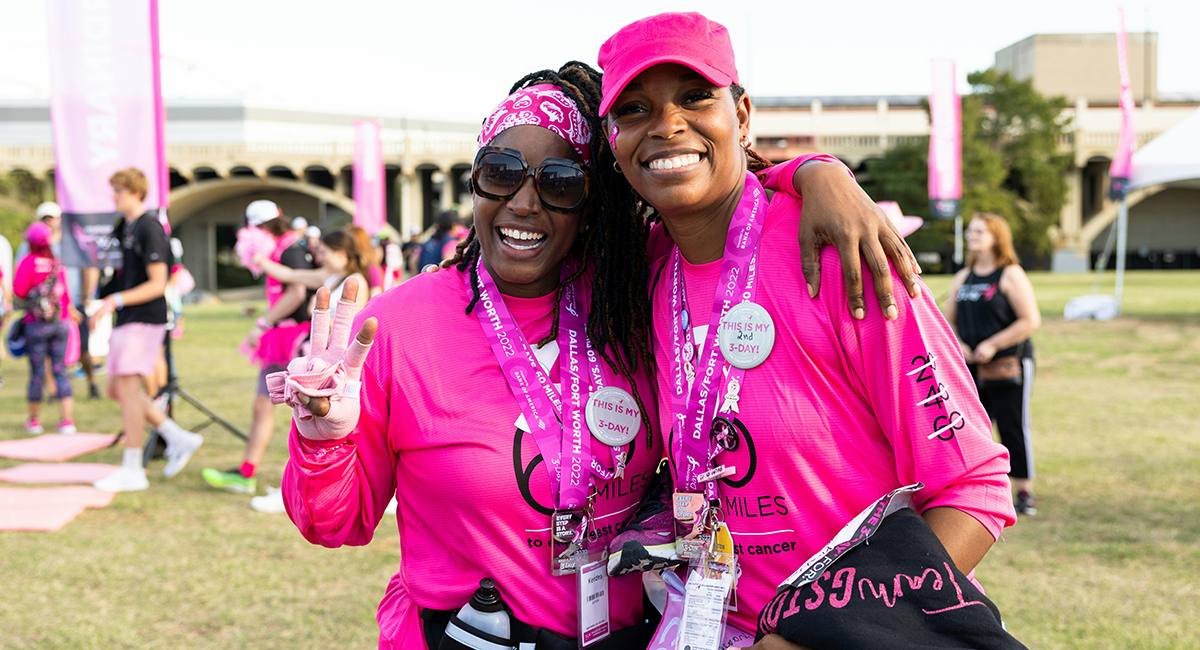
[{"x": 211, "y": 182}]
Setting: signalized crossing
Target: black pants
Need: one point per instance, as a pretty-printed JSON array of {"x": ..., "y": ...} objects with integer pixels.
[{"x": 1007, "y": 403}]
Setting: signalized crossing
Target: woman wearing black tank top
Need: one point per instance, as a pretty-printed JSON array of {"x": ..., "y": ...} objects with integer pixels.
[{"x": 993, "y": 311}]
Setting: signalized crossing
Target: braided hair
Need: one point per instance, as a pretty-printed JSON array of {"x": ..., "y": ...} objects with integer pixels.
[{"x": 614, "y": 243}]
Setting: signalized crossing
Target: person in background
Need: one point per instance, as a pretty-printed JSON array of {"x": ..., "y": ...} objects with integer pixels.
[
  {"x": 312, "y": 239},
  {"x": 81, "y": 286},
  {"x": 342, "y": 260},
  {"x": 179, "y": 284},
  {"x": 6, "y": 307},
  {"x": 135, "y": 293},
  {"x": 374, "y": 274},
  {"x": 300, "y": 225},
  {"x": 393, "y": 264},
  {"x": 433, "y": 248},
  {"x": 993, "y": 311},
  {"x": 275, "y": 339},
  {"x": 42, "y": 282},
  {"x": 411, "y": 251}
]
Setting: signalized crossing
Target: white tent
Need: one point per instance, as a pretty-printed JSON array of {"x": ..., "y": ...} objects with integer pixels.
[{"x": 1172, "y": 156}]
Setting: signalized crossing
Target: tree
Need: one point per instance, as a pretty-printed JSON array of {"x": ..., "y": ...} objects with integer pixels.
[
  {"x": 1011, "y": 164},
  {"x": 20, "y": 194}
]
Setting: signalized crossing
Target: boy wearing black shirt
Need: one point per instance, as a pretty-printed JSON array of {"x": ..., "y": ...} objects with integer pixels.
[{"x": 136, "y": 295}]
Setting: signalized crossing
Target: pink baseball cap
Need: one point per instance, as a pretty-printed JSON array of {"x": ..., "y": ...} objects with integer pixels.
[
  {"x": 38, "y": 234},
  {"x": 905, "y": 224},
  {"x": 685, "y": 38}
]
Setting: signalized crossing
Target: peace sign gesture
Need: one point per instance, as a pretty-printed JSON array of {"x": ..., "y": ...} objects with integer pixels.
[{"x": 323, "y": 387}]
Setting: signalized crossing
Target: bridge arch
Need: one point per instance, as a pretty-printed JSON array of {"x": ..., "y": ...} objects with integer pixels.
[{"x": 206, "y": 214}]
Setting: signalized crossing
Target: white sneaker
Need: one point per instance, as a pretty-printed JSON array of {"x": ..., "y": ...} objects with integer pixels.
[
  {"x": 272, "y": 503},
  {"x": 123, "y": 480},
  {"x": 178, "y": 455}
]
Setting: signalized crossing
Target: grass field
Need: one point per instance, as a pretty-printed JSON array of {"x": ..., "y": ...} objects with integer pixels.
[{"x": 1112, "y": 560}]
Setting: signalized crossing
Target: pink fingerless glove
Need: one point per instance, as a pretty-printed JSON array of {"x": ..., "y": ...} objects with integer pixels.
[{"x": 332, "y": 372}]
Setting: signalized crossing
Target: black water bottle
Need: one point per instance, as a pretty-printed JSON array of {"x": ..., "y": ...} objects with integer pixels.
[{"x": 482, "y": 624}]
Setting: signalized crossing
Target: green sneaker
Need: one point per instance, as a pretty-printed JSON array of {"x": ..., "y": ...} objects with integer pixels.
[{"x": 231, "y": 481}]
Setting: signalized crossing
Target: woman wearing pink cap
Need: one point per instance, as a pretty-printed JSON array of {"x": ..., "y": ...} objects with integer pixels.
[
  {"x": 41, "y": 281},
  {"x": 785, "y": 416}
]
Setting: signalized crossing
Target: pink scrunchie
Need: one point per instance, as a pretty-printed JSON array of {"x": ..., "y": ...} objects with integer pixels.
[
  {"x": 319, "y": 380},
  {"x": 542, "y": 105}
]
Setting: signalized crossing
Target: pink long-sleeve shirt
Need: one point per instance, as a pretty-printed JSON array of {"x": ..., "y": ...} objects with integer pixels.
[
  {"x": 439, "y": 430},
  {"x": 835, "y": 414},
  {"x": 31, "y": 272}
]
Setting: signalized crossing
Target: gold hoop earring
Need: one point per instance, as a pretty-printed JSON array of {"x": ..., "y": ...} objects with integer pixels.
[
  {"x": 745, "y": 142},
  {"x": 616, "y": 167}
]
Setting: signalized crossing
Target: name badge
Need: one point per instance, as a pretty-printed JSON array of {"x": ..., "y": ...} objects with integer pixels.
[
  {"x": 592, "y": 589},
  {"x": 613, "y": 416},
  {"x": 747, "y": 335}
]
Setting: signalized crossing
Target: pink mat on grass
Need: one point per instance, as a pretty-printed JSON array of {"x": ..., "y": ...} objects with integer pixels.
[
  {"x": 47, "y": 509},
  {"x": 57, "y": 473},
  {"x": 55, "y": 446}
]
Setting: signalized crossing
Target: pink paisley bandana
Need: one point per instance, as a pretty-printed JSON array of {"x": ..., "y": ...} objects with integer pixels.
[{"x": 542, "y": 105}]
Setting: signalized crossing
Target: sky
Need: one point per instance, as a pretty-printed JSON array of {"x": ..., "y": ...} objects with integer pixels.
[{"x": 456, "y": 60}]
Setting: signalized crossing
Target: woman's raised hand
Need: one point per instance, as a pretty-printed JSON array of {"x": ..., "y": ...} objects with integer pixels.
[{"x": 323, "y": 387}]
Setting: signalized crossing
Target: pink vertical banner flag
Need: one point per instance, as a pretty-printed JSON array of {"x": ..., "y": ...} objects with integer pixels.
[
  {"x": 369, "y": 191},
  {"x": 945, "y": 143},
  {"x": 105, "y": 99},
  {"x": 1122, "y": 165},
  {"x": 106, "y": 114}
]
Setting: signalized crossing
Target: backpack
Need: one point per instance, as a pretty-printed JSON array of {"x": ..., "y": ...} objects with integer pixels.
[{"x": 45, "y": 299}]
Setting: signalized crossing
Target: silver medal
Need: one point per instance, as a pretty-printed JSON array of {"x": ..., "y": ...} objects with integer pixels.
[
  {"x": 747, "y": 335},
  {"x": 613, "y": 416}
]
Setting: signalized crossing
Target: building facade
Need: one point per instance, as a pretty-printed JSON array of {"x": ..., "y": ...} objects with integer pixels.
[{"x": 1164, "y": 230}]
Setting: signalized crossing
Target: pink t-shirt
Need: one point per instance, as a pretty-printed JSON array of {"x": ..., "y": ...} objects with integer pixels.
[
  {"x": 833, "y": 414},
  {"x": 31, "y": 272},
  {"x": 275, "y": 287},
  {"x": 439, "y": 431}
]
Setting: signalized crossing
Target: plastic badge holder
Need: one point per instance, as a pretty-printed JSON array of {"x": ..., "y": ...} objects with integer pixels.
[
  {"x": 667, "y": 634},
  {"x": 592, "y": 597},
  {"x": 707, "y": 595}
]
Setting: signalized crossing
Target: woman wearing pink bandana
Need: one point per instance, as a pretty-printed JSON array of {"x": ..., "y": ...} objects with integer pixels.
[
  {"x": 804, "y": 414},
  {"x": 473, "y": 392},
  {"x": 469, "y": 395}
]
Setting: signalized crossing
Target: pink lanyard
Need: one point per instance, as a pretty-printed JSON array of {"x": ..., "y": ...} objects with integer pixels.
[
  {"x": 694, "y": 410},
  {"x": 559, "y": 426}
]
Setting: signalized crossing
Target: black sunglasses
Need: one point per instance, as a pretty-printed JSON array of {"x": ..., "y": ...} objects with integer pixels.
[{"x": 561, "y": 184}]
